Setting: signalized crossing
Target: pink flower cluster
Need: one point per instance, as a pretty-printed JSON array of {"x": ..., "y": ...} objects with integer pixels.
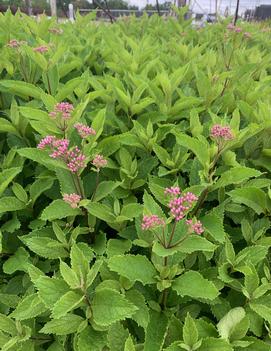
[
  {"x": 13, "y": 43},
  {"x": 72, "y": 199},
  {"x": 41, "y": 49},
  {"x": 218, "y": 131},
  {"x": 195, "y": 227},
  {"x": 63, "y": 110},
  {"x": 180, "y": 205},
  {"x": 74, "y": 158},
  {"x": 232, "y": 27},
  {"x": 173, "y": 190},
  {"x": 151, "y": 221},
  {"x": 99, "y": 162},
  {"x": 83, "y": 130}
]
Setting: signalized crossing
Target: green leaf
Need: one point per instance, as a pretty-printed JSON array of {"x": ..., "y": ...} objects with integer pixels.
[
  {"x": 69, "y": 275},
  {"x": 214, "y": 344},
  {"x": 141, "y": 316},
  {"x": 46, "y": 247},
  {"x": 20, "y": 88},
  {"x": 18, "y": 261},
  {"x": 65, "y": 325},
  {"x": 7, "y": 127},
  {"x": 10, "y": 204},
  {"x": 262, "y": 310},
  {"x": 104, "y": 189},
  {"x": 133, "y": 267},
  {"x": 7, "y": 175},
  {"x": 30, "y": 307},
  {"x": 196, "y": 243},
  {"x": 214, "y": 226},
  {"x": 194, "y": 285},
  {"x": 252, "y": 197},
  {"x": 101, "y": 211},
  {"x": 50, "y": 290},
  {"x": 196, "y": 146},
  {"x": 39, "y": 187},
  {"x": 93, "y": 272},
  {"x": 117, "y": 336},
  {"x": 19, "y": 192},
  {"x": 42, "y": 157},
  {"x": 67, "y": 303},
  {"x": 151, "y": 207},
  {"x": 129, "y": 345},
  {"x": 131, "y": 211},
  {"x": 156, "y": 331},
  {"x": 58, "y": 209},
  {"x": 89, "y": 336},
  {"x": 109, "y": 306},
  {"x": 235, "y": 175},
  {"x": 98, "y": 123},
  {"x": 190, "y": 332},
  {"x": 7, "y": 325},
  {"x": 230, "y": 321}
]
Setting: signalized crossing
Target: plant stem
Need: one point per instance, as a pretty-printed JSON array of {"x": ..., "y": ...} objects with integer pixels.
[
  {"x": 96, "y": 186},
  {"x": 81, "y": 190},
  {"x": 48, "y": 83},
  {"x": 165, "y": 292},
  {"x": 172, "y": 234}
]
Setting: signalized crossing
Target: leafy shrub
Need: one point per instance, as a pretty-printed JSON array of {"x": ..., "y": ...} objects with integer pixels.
[{"x": 135, "y": 186}]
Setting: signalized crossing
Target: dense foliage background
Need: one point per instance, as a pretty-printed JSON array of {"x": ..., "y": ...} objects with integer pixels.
[{"x": 85, "y": 275}]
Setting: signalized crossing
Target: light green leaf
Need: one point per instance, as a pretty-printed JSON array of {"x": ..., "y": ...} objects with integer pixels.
[
  {"x": 67, "y": 303},
  {"x": 46, "y": 247},
  {"x": 39, "y": 187},
  {"x": 105, "y": 188},
  {"x": 252, "y": 197},
  {"x": 235, "y": 175},
  {"x": 10, "y": 204},
  {"x": 190, "y": 332},
  {"x": 89, "y": 336},
  {"x": 129, "y": 345},
  {"x": 30, "y": 307},
  {"x": 65, "y": 325},
  {"x": 196, "y": 146},
  {"x": 20, "y": 88},
  {"x": 58, "y": 209},
  {"x": 193, "y": 284},
  {"x": 50, "y": 290},
  {"x": 109, "y": 306},
  {"x": 141, "y": 316},
  {"x": 69, "y": 275},
  {"x": 42, "y": 157},
  {"x": 230, "y": 321},
  {"x": 7, "y": 175},
  {"x": 101, "y": 211},
  {"x": 133, "y": 267},
  {"x": 156, "y": 331},
  {"x": 214, "y": 226},
  {"x": 131, "y": 210},
  {"x": 214, "y": 344},
  {"x": 7, "y": 127},
  {"x": 7, "y": 325}
]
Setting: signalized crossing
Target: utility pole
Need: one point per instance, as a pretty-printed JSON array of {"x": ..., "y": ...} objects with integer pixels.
[
  {"x": 28, "y": 5},
  {"x": 53, "y": 8},
  {"x": 236, "y": 12}
]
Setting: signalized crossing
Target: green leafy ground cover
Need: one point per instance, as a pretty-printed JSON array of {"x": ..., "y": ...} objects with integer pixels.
[{"x": 94, "y": 255}]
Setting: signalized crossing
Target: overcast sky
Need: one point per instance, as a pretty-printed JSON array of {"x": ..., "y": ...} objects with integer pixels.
[{"x": 207, "y": 5}]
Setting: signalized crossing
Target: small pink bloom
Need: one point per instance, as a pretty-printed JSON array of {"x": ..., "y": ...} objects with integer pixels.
[
  {"x": 173, "y": 190},
  {"x": 60, "y": 148},
  {"x": 83, "y": 130},
  {"x": 151, "y": 221},
  {"x": 230, "y": 26},
  {"x": 41, "y": 49},
  {"x": 13, "y": 43},
  {"x": 179, "y": 206},
  {"x": 238, "y": 30},
  {"x": 247, "y": 35},
  {"x": 72, "y": 199},
  {"x": 47, "y": 141},
  {"x": 195, "y": 227},
  {"x": 76, "y": 160},
  {"x": 218, "y": 131},
  {"x": 99, "y": 162}
]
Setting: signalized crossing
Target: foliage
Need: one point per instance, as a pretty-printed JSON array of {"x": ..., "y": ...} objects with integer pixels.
[{"x": 92, "y": 249}]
